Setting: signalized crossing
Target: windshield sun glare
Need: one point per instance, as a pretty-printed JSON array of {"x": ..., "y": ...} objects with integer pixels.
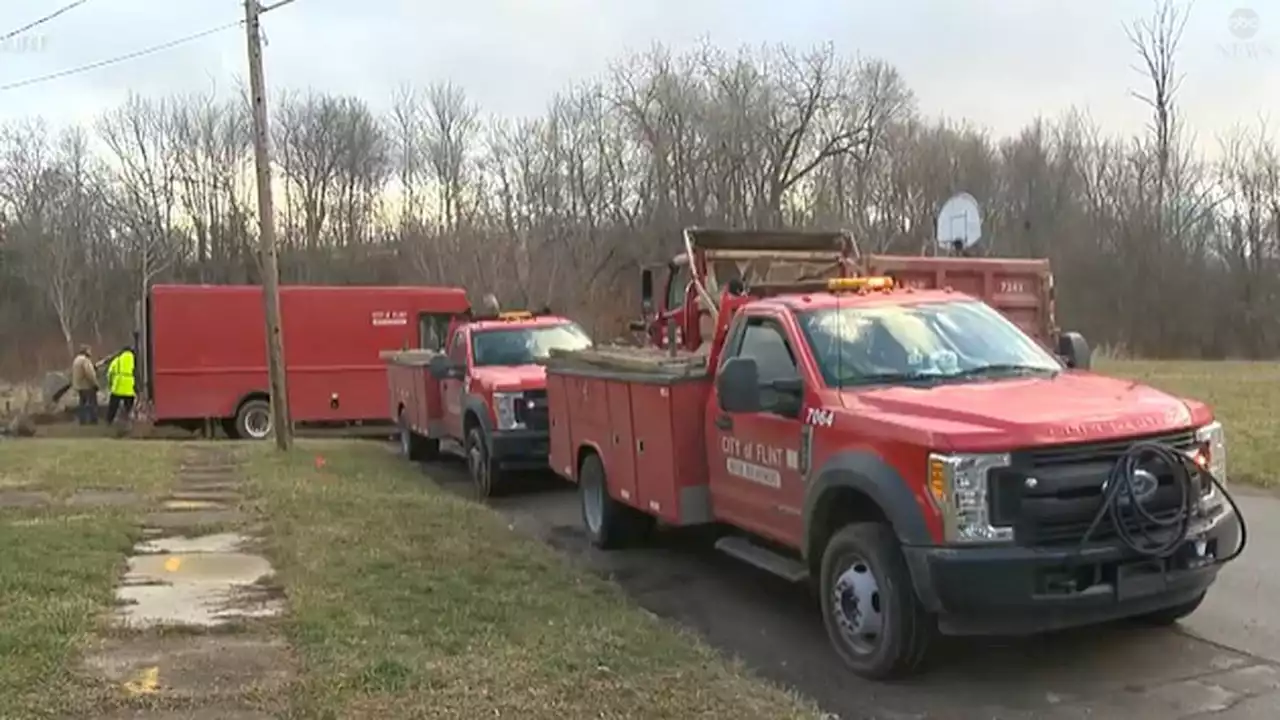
[
  {"x": 930, "y": 342},
  {"x": 526, "y": 345}
]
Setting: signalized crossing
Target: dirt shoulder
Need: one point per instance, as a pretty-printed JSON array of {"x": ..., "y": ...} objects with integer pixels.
[{"x": 406, "y": 601}]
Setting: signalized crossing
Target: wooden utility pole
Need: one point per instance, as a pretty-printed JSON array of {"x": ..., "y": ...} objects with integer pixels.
[{"x": 281, "y": 421}]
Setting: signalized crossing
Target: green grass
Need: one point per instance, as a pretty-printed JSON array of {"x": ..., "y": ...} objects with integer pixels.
[
  {"x": 409, "y": 602},
  {"x": 58, "y": 564},
  {"x": 1243, "y": 395}
]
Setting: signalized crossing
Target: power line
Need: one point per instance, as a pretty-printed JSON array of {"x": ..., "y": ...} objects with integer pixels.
[
  {"x": 120, "y": 58},
  {"x": 42, "y": 20},
  {"x": 134, "y": 54}
]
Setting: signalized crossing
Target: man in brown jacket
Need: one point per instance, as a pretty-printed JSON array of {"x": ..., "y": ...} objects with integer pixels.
[{"x": 84, "y": 380}]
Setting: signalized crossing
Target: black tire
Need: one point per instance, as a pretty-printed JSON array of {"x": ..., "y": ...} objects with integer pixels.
[
  {"x": 609, "y": 523},
  {"x": 416, "y": 447},
  {"x": 249, "y": 419},
  {"x": 1170, "y": 615},
  {"x": 905, "y": 629},
  {"x": 485, "y": 475}
]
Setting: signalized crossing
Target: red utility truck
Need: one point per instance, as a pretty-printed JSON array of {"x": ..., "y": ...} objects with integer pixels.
[
  {"x": 487, "y": 393},
  {"x": 913, "y": 453},
  {"x": 204, "y": 355}
]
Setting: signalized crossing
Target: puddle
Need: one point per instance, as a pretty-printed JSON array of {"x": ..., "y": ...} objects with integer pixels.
[
  {"x": 193, "y": 505},
  {"x": 200, "y": 581},
  {"x": 217, "y": 543}
]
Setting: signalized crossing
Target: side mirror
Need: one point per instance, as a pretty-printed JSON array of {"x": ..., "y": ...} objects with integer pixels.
[
  {"x": 785, "y": 397},
  {"x": 1075, "y": 350},
  {"x": 442, "y": 368},
  {"x": 788, "y": 386},
  {"x": 646, "y": 291},
  {"x": 738, "y": 386}
]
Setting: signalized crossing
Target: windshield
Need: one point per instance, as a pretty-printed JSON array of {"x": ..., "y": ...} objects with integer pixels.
[
  {"x": 930, "y": 342},
  {"x": 526, "y": 345}
]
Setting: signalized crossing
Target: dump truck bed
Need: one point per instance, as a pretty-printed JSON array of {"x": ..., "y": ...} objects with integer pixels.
[{"x": 1021, "y": 289}]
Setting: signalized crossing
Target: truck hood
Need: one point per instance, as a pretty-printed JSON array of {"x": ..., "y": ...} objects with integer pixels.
[
  {"x": 510, "y": 378},
  {"x": 1001, "y": 414}
]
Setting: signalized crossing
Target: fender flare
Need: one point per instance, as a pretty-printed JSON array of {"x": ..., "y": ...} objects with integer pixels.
[
  {"x": 244, "y": 398},
  {"x": 870, "y": 475},
  {"x": 582, "y": 447},
  {"x": 475, "y": 404}
]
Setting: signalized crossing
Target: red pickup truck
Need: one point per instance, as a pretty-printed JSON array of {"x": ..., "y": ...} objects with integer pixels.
[
  {"x": 486, "y": 393},
  {"x": 923, "y": 461}
]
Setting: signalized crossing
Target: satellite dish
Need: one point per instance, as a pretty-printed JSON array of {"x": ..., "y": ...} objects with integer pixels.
[{"x": 959, "y": 222}]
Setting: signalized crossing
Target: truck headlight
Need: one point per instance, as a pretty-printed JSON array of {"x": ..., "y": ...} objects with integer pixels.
[
  {"x": 504, "y": 410},
  {"x": 959, "y": 486},
  {"x": 1211, "y": 453}
]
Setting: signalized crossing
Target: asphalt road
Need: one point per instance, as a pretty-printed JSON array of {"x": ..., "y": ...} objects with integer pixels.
[{"x": 1223, "y": 663}]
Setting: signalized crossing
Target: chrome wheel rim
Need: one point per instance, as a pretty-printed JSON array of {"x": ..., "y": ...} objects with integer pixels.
[
  {"x": 593, "y": 505},
  {"x": 477, "y": 464},
  {"x": 257, "y": 423},
  {"x": 856, "y": 604}
]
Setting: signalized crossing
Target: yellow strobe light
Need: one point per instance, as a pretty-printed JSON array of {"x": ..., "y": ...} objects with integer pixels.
[{"x": 859, "y": 283}]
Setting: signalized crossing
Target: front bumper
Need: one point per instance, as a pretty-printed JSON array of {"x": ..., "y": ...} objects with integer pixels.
[
  {"x": 520, "y": 449},
  {"x": 1020, "y": 590}
]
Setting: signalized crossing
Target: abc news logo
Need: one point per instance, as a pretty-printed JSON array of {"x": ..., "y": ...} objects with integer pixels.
[{"x": 1245, "y": 25}]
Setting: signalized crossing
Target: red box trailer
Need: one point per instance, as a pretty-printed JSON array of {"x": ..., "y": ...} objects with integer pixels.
[{"x": 204, "y": 355}]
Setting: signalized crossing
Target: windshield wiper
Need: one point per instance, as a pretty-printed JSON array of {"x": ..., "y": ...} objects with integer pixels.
[
  {"x": 892, "y": 378},
  {"x": 1002, "y": 369}
]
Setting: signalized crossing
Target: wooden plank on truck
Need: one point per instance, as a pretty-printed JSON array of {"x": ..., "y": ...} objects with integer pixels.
[
  {"x": 408, "y": 357},
  {"x": 622, "y": 358}
]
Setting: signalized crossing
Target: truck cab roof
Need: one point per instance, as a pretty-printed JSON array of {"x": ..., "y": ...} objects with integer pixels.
[
  {"x": 801, "y": 302},
  {"x": 516, "y": 320}
]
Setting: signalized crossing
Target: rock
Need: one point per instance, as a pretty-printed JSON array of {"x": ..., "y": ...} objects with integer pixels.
[
  {"x": 52, "y": 383},
  {"x": 21, "y": 426}
]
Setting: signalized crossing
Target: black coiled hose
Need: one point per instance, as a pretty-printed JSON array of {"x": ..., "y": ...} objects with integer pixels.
[{"x": 1138, "y": 527}]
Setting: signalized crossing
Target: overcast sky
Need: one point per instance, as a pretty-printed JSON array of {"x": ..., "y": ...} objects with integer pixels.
[{"x": 998, "y": 63}]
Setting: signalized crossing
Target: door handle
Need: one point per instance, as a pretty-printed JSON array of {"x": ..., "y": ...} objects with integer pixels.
[{"x": 724, "y": 422}]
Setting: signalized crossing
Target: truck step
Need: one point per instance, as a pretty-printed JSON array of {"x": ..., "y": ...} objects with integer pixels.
[{"x": 748, "y": 552}]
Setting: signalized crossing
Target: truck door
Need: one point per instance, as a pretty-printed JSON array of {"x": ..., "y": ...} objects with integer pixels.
[
  {"x": 754, "y": 458},
  {"x": 452, "y": 391}
]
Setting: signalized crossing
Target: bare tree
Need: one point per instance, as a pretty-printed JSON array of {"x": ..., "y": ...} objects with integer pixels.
[
  {"x": 212, "y": 139},
  {"x": 1155, "y": 249},
  {"x": 142, "y": 141},
  {"x": 451, "y": 133},
  {"x": 1156, "y": 41}
]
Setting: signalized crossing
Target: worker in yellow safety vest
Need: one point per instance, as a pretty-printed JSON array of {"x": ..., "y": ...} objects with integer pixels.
[{"x": 121, "y": 383}]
